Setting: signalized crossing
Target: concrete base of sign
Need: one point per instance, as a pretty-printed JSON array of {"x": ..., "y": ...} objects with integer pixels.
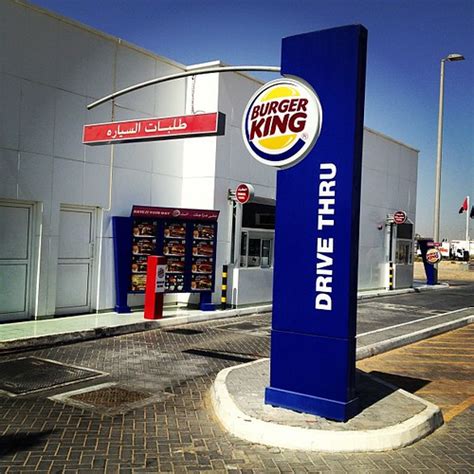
[{"x": 390, "y": 418}]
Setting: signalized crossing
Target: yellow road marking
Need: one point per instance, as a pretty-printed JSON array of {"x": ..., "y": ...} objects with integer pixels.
[{"x": 456, "y": 410}]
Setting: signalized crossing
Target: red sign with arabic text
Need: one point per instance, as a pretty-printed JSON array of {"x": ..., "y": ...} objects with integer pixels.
[
  {"x": 162, "y": 128},
  {"x": 176, "y": 213},
  {"x": 244, "y": 193},
  {"x": 400, "y": 217}
]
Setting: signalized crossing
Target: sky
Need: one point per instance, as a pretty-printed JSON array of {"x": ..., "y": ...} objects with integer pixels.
[{"x": 407, "y": 40}]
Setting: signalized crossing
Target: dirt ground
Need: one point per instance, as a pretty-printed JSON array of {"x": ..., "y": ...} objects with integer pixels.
[{"x": 447, "y": 270}]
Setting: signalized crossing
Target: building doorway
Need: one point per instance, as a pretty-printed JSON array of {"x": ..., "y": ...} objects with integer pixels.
[
  {"x": 403, "y": 258},
  {"x": 16, "y": 260},
  {"x": 77, "y": 228}
]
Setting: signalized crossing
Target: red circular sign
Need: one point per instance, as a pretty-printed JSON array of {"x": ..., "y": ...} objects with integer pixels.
[
  {"x": 244, "y": 193},
  {"x": 400, "y": 217}
]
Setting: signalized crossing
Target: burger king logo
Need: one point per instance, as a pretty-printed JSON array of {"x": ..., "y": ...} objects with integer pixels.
[
  {"x": 433, "y": 256},
  {"x": 282, "y": 122}
]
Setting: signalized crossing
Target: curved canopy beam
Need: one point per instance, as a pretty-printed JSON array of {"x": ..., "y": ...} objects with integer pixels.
[{"x": 171, "y": 77}]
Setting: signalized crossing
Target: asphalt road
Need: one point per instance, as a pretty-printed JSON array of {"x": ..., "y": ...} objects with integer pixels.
[{"x": 386, "y": 311}]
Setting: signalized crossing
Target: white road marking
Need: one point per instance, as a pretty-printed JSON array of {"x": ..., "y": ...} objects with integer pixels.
[{"x": 411, "y": 322}]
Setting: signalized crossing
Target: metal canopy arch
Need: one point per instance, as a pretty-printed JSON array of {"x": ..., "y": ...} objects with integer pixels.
[{"x": 171, "y": 77}]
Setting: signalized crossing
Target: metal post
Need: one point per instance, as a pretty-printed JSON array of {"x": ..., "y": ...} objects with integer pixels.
[
  {"x": 224, "y": 287},
  {"x": 439, "y": 155}
]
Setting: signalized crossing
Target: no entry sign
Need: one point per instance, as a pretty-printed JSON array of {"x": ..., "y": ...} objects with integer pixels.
[
  {"x": 400, "y": 217},
  {"x": 244, "y": 193}
]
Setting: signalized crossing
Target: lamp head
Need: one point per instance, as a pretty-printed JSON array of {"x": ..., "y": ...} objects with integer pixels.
[{"x": 454, "y": 57}]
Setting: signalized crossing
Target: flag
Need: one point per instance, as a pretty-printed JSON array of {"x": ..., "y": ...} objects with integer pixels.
[
  {"x": 463, "y": 208},
  {"x": 471, "y": 215}
]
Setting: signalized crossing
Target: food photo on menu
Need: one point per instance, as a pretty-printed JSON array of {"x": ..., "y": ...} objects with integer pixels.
[
  {"x": 139, "y": 282},
  {"x": 201, "y": 282},
  {"x": 174, "y": 282},
  {"x": 174, "y": 247},
  {"x": 203, "y": 249},
  {"x": 139, "y": 263},
  {"x": 173, "y": 230},
  {"x": 143, "y": 246},
  {"x": 202, "y": 265},
  {"x": 144, "y": 229},
  {"x": 203, "y": 231},
  {"x": 175, "y": 265}
]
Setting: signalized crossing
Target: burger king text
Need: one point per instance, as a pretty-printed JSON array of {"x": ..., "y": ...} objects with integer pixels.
[
  {"x": 325, "y": 246},
  {"x": 265, "y": 119}
]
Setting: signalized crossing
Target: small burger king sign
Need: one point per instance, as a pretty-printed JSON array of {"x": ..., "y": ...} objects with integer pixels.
[
  {"x": 282, "y": 122},
  {"x": 433, "y": 256}
]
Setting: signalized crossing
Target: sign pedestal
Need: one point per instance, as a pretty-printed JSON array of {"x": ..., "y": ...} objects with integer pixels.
[
  {"x": 155, "y": 287},
  {"x": 312, "y": 363}
]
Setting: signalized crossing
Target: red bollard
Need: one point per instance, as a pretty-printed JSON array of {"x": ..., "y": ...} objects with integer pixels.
[{"x": 155, "y": 287}]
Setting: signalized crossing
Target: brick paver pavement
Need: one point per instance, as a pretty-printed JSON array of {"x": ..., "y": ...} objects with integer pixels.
[{"x": 177, "y": 432}]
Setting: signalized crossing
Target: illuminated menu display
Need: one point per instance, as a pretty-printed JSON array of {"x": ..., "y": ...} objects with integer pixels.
[{"x": 185, "y": 237}]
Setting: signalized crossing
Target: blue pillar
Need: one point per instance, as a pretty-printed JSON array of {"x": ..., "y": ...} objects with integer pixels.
[
  {"x": 312, "y": 364},
  {"x": 430, "y": 270},
  {"x": 122, "y": 228}
]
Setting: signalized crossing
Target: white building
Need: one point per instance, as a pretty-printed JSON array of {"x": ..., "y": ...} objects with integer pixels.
[{"x": 57, "y": 196}]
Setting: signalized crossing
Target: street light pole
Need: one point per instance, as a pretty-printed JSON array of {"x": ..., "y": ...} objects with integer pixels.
[
  {"x": 439, "y": 154},
  {"x": 450, "y": 58}
]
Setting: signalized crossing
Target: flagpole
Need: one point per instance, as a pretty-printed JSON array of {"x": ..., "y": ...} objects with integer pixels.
[{"x": 467, "y": 221}]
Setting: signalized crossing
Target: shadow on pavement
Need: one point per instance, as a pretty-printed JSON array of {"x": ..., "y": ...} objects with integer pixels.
[
  {"x": 410, "y": 384},
  {"x": 13, "y": 443},
  {"x": 371, "y": 391}
]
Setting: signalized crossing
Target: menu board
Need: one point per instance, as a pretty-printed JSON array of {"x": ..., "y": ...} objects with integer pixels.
[
  {"x": 143, "y": 244},
  {"x": 185, "y": 237}
]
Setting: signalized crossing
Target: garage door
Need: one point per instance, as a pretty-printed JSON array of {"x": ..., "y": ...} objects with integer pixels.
[
  {"x": 15, "y": 260},
  {"x": 75, "y": 260}
]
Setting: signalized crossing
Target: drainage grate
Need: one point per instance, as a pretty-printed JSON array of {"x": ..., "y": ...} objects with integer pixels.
[
  {"x": 31, "y": 374},
  {"x": 110, "y": 397},
  {"x": 219, "y": 355},
  {"x": 107, "y": 399},
  {"x": 184, "y": 331}
]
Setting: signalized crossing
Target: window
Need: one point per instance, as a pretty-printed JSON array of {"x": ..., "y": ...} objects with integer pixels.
[
  {"x": 404, "y": 252},
  {"x": 405, "y": 231},
  {"x": 256, "y": 249}
]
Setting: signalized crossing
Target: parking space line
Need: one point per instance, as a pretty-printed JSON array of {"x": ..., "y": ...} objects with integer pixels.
[
  {"x": 411, "y": 322},
  {"x": 458, "y": 409}
]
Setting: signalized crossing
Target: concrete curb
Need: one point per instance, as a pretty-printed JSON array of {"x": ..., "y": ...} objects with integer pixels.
[
  {"x": 405, "y": 339},
  {"x": 364, "y": 295},
  {"x": 28, "y": 343},
  {"x": 257, "y": 431}
]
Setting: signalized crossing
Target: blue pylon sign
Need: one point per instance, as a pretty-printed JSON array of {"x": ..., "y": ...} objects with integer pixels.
[{"x": 312, "y": 363}]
